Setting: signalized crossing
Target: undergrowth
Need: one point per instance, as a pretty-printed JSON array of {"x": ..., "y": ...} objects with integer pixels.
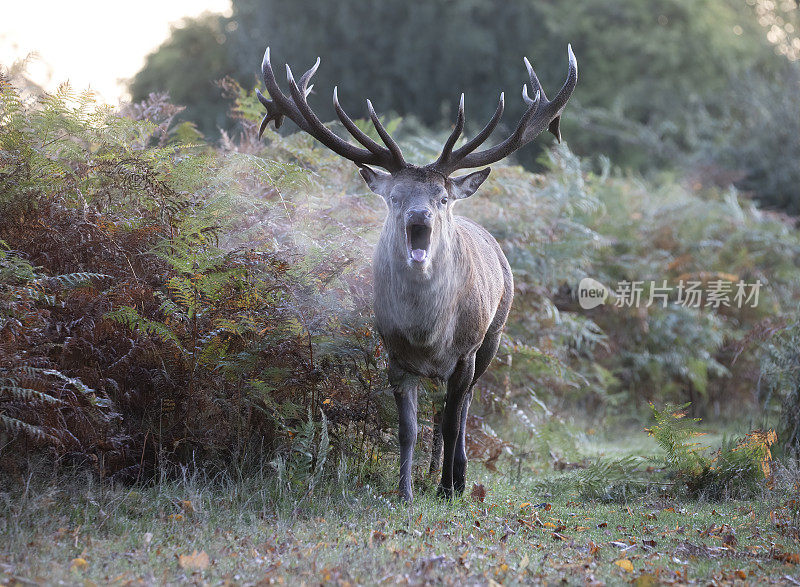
[{"x": 164, "y": 301}]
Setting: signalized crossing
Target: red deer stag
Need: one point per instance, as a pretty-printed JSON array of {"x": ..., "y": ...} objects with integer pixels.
[{"x": 443, "y": 286}]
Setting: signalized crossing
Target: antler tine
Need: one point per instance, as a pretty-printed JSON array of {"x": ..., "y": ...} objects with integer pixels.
[
  {"x": 572, "y": 80},
  {"x": 447, "y": 150},
  {"x": 385, "y": 137},
  {"x": 564, "y": 93},
  {"x": 307, "y": 76},
  {"x": 351, "y": 126},
  {"x": 316, "y": 128},
  {"x": 536, "y": 85},
  {"x": 540, "y": 113},
  {"x": 487, "y": 130},
  {"x": 268, "y": 116},
  {"x": 533, "y": 103},
  {"x": 278, "y": 102},
  {"x": 298, "y": 110},
  {"x": 311, "y": 121}
]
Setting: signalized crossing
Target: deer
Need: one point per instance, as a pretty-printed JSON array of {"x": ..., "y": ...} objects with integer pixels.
[{"x": 442, "y": 284}]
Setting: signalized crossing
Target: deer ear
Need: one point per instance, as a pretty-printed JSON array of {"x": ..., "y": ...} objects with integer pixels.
[
  {"x": 376, "y": 180},
  {"x": 466, "y": 185}
]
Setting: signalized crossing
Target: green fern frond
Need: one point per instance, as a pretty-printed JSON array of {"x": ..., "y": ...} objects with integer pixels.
[
  {"x": 676, "y": 435},
  {"x": 15, "y": 426},
  {"x": 14, "y": 392},
  {"x": 79, "y": 385},
  {"x": 72, "y": 280},
  {"x": 129, "y": 317}
]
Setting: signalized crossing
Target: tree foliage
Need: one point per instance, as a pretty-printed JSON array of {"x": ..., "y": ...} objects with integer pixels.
[
  {"x": 695, "y": 85},
  {"x": 187, "y": 67}
]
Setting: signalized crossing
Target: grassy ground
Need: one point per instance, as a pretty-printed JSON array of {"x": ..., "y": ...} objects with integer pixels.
[{"x": 225, "y": 531}]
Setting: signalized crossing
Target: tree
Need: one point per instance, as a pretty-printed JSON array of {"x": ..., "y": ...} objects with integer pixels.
[
  {"x": 187, "y": 66},
  {"x": 411, "y": 57},
  {"x": 659, "y": 80},
  {"x": 652, "y": 73}
]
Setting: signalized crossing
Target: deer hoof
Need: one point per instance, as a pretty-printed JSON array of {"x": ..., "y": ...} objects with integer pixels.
[
  {"x": 459, "y": 477},
  {"x": 406, "y": 493},
  {"x": 444, "y": 492}
]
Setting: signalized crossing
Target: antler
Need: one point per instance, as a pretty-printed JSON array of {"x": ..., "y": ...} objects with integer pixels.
[
  {"x": 297, "y": 109},
  {"x": 540, "y": 114}
]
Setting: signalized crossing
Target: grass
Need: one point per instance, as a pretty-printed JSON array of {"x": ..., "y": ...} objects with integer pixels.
[{"x": 255, "y": 529}]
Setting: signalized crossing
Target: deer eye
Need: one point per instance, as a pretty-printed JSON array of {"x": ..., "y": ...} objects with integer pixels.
[
  {"x": 444, "y": 201},
  {"x": 394, "y": 199}
]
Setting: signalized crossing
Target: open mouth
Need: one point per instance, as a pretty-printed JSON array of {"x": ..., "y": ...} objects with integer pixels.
[{"x": 418, "y": 241}]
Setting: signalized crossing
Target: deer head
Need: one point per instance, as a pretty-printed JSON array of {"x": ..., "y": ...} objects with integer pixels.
[{"x": 420, "y": 199}]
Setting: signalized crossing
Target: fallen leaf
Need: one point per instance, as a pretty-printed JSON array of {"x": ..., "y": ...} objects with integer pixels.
[
  {"x": 529, "y": 525},
  {"x": 792, "y": 558},
  {"x": 523, "y": 564},
  {"x": 78, "y": 564},
  {"x": 377, "y": 537},
  {"x": 649, "y": 543},
  {"x": 741, "y": 574},
  {"x": 478, "y": 492},
  {"x": 729, "y": 540},
  {"x": 646, "y": 580},
  {"x": 624, "y": 564},
  {"x": 197, "y": 561}
]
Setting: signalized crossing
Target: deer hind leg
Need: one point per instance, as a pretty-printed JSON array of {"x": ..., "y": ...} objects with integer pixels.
[
  {"x": 405, "y": 396},
  {"x": 460, "y": 458},
  {"x": 458, "y": 385},
  {"x": 483, "y": 358},
  {"x": 486, "y": 352}
]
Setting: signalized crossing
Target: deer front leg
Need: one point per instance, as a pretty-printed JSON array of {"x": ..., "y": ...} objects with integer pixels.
[
  {"x": 405, "y": 396},
  {"x": 458, "y": 385}
]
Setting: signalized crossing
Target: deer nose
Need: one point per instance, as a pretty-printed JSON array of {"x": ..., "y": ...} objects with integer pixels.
[{"x": 419, "y": 216}]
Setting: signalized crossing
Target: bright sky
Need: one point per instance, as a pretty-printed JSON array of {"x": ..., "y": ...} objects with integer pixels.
[{"x": 95, "y": 44}]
